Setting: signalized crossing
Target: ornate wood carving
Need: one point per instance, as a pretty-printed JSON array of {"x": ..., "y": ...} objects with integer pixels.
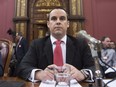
[
  {"x": 31, "y": 16},
  {"x": 21, "y": 17}
]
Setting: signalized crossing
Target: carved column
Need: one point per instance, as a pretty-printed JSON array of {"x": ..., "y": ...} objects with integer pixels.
[
  {"x": 21, "y": 18},
  {"x": 31, "y": 16},
  {"x": 76, "y": 16}
]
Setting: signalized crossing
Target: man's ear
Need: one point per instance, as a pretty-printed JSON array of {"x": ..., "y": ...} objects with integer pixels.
[
  {"x": 68, "y": 23},
  {"x": 48, "y": 24}
]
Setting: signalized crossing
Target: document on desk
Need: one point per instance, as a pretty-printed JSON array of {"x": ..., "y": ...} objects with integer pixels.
[
  {"x": 52, "y": 84},
  {"x": 112, "y": 84},
  {"x": 110, "y": 70}
]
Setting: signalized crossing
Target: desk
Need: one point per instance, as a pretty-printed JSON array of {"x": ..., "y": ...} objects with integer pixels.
[
  {"x": 27, "y": 84},
  {"x": 30, "y": 84}
]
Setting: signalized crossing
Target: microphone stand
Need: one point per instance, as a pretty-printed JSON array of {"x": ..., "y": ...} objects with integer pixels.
[{"x": 95, "y": 50}]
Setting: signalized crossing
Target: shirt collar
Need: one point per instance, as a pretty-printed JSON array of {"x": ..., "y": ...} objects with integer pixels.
[{"x": 54, "y": 39}]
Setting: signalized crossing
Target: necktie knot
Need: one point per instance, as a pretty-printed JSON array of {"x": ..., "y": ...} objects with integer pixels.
[{"x": 58, "y": 42}]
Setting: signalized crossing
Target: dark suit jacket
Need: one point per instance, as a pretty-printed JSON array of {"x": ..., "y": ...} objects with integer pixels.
[
  {"x": 40, "y": 55},
  {"x": 21, "y": 49}
]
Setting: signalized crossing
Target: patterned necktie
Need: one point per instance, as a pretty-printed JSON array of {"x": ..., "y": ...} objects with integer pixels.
[{"x": 58, "y": 58}]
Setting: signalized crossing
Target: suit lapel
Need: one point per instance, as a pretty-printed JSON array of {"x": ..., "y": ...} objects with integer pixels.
[
  {"x": 69, "y": 51},
  {"x": 48, "y": 51}
]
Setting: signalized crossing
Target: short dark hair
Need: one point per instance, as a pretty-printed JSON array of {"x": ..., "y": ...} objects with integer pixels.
[
  {"x": 48, "y": 15},
  {"x": 11, "y": 32},
  {"x": 104, "y": 37}
]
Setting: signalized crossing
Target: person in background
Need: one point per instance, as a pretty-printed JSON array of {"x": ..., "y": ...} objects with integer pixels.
[
  {"x": 1, "y": 67},
  {"x": 113, "y": 45},
  {"x": 108, "y": 55},
  {"x": 40, "y": 56},
  {"x": 20, "y": 50}
]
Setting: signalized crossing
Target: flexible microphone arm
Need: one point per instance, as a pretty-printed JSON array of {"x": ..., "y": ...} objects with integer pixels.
[
  {"x": 91, "y": 39},
  {"x": 96, "y": 53},
  {"x": 95, "y": 50},
  {"x": 98, "y": 74},
  {"x": 94, "y": 42}
]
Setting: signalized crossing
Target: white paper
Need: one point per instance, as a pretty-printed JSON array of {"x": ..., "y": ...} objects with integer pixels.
[
  {"x": 110, "y": 70},
  {"x": 74, "y": 83},
  {"x": 111, "y": 84}
]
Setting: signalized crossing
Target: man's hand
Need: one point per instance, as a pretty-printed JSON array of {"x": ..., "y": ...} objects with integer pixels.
[
  {"x": 75, "y": 73},
  {"x": 46, "y": 74}
]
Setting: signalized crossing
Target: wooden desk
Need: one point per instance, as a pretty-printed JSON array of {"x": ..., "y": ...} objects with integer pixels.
[
  {"x": 27, "y": 84},
  {"x": 30, "y": 84}
]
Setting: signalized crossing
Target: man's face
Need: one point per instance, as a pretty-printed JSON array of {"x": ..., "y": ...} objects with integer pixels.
[
  {"x": 17, "y": 37},
  {"x": 112, "y": 44},
  {"x": 58, "y": 23},
  {"x": 106, "y": 42}
]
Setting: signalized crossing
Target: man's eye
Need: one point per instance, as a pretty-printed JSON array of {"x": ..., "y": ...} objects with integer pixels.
[
  {"x": 62, "y": 18},
  {"x": 53, "y": 18}
]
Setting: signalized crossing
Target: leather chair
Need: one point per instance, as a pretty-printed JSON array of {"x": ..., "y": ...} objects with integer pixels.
[{"x": 6, "y": 48}]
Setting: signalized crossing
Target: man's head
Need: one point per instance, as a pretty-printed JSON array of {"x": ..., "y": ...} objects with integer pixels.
[
  {"x": 113, "y": 44},
  {"x": 18, "y": 35},
  {"x": 105, "y": 42},
  {"x": 58, "y": 23}
]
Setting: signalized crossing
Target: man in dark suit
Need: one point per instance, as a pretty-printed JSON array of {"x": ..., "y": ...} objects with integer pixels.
[
  {"x": 76, "y": 52},
  {"x": 20, "y": 50},
  {"x": 21, "y": 46}
]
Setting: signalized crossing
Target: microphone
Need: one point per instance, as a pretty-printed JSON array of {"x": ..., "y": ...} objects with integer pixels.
[
  {"x": 98, "y": 75},
  {"x": 94, "y": 50},
  {"x": 84, "y": 34}
]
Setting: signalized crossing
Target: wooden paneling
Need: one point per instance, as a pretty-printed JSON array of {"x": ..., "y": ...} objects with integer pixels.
[{"x": 34, "y": 18}]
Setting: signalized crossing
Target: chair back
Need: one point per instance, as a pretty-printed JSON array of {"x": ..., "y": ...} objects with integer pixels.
[{"x": 6, "y": 48}]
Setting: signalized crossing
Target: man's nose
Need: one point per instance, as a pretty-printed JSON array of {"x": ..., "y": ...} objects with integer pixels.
[{"x": 58, "y": 21}]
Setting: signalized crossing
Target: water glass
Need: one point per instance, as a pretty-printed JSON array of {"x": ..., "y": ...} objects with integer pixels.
[{"x": 62, "y": 76}]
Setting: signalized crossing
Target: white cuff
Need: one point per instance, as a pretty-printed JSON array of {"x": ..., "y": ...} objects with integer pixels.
[
  {"x": 32, "y": 75},
  {"x": 89, "y": 74}
]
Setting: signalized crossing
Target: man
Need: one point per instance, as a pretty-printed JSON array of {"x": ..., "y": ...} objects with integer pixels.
[
  {"x": 21, "y": 46},
  {"x": 113, "y": 45},
  {"x": 76, "y": 53},
  {"x": 20, "y": 50},
  {"x": 108, "y": 55}
]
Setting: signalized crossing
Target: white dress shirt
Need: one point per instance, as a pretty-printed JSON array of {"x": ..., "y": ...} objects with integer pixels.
[{"x": 63, "y": 46}]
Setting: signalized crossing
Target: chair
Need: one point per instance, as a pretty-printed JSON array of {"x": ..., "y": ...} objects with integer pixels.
[{"x": 6, "y": 48}]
